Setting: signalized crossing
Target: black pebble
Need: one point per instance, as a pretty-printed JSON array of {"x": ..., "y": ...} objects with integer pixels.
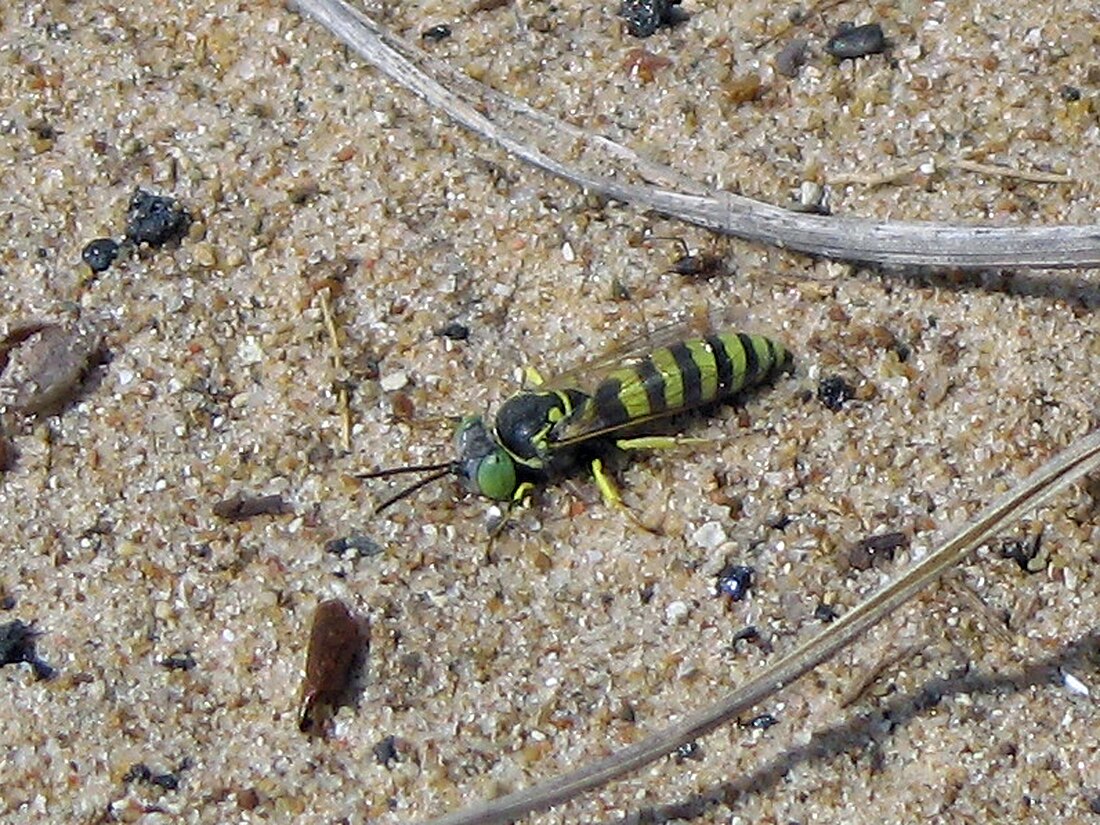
[
  {"x": 155, "y": 219},
  {"x": 833, "y": 391},
  {"x": 100, "y": 254},
  {"x": 763, "y": 721},
  {"x": 689, "y": 750},
  {"x": 179, "y": 661},
  {"x": 825, "y": 613},
  {"x": 734, "y": 580},
  {"x": 455, "y": 331},
  {"x": 385, "y": 751},
  {"x": 358, "y": 546},
  {"x": 436, "y": 33},
  {"x": 851, "y": 42},
  {"x": 644, "y": 17},
  {"x": 17, "y": 645}
]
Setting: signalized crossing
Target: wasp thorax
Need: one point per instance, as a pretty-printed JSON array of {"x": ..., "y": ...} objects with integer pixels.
[{"x": 483, "y": 465}]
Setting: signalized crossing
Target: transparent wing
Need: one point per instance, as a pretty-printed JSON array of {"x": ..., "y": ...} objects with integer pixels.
[
  {"x": 590, "y": 372},
  {"x": 639, "y": 403}
]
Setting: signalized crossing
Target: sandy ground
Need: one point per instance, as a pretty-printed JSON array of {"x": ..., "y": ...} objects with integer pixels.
[{"x": 310, "y": 177}]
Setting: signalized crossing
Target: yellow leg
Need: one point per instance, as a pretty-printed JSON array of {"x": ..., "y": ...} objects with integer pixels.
[
  {"x": 609, "y": 490},
  {"x": 532, "y": 376},
  {"x": 657, "y": 442},
  {"x": 606, "y": 485}
]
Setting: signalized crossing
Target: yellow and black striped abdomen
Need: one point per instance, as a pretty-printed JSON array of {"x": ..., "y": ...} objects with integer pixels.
[{"x": 684, "y": 375}]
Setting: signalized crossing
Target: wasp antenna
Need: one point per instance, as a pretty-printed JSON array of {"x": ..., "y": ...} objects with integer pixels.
[
  {"x": 411, "y": 468},
  {"x": 412, "y": 488}
]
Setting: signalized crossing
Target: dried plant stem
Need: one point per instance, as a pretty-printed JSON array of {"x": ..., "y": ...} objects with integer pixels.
[
  {"x": 1052, "y": 477},
  {"x": 896, "y": 243}
]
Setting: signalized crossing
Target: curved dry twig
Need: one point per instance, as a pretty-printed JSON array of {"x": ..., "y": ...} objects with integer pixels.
[
  {"x": 1052, "y": 477},
  {"x": 896, "y": 243}
]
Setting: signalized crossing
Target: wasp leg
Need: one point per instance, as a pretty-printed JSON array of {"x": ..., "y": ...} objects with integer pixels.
[
  {"x": 657, "y": 442},
  {"x": 609, "y": 490},
  {"x": 520, "y": 499},
  {"x": 533, "y": 377}
]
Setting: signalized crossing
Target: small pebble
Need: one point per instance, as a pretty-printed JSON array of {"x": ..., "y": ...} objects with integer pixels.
[
  {"x": 677, "y": 612},
  {"x": 336, "y": 639},
  {"x": 179, "y": 661},
  {"x": 49, "y": 363},
  {"x": 689, "y": 750},
  {"x": 100, "y": 254},
  {"x": 17, "y": 644},
  {"x": 1027, "y": 553},
  {"x": 436, "y": 33},
  {"x": 833, "y": 391},
  {"x": 851, "y": 41},
  {"x": 394, "y": 381},
  {"x": 792, "y": 57},
  {"x": 644, "y": 17},
  {"x": 1073, "y": 684},
  {"x": 735, "y": 581},
  {"x": 762, "y": 722},
  {"x": 386, "y": 752},
  {"x": 709, "y": 535},
  {"x": 455, "y": 331},
  {"x": 358, "y": 546},
  {"x": 872, "y": 549},
  {"x": 155, "y": 219},
  {"x": 241, "y": 507}
]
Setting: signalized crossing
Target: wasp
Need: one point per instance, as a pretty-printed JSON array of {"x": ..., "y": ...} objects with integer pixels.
[{"x": 556, "y": 427}]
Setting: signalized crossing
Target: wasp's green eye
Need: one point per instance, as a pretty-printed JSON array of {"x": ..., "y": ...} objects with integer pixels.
[
  {"x": 496, "y": 476},
  {"x": 483, "y": 465}
]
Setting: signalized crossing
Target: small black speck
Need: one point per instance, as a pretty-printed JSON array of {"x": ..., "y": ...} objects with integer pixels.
[
  {"x": 825, "y": 612},
  {"x": 42, "y": 252},
  {"x": 834, "y": 391},
  {"x": 356, "y": 546},
  {"x": 179, "y": 661},
  {"x": 851, "y": 41},
  {"x": 734, "y": 580},
  {"x": 780, "y": 522},
  {"x": 748, "y": 634},
  {"x": 455, "y": 331},
  {"x": 385, "y": 751},
  {"x": 100, "y": 254},
  {"x": 689, "y": 750},
  {"x": 763, "y": 721},
  {"x": 155, "y": 219},
  {"x": 645, "y": 594},
  {"x": 139, "y": 772},
  {"x": 17, "y": 645},
  {"x": 167, "y": 781},
  {"x": 436, "y": 33},
  {"x": 644, "y": 17},
  {"x": 1070, "y": 93},
  {"x": 1025, "y": 552}
]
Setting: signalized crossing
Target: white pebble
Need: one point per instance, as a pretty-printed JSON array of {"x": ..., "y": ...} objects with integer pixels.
[
  {"x": 676, "y": 612},
  {"x": 394, "y": 381},
  {"x": 709, "y": 536}
]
